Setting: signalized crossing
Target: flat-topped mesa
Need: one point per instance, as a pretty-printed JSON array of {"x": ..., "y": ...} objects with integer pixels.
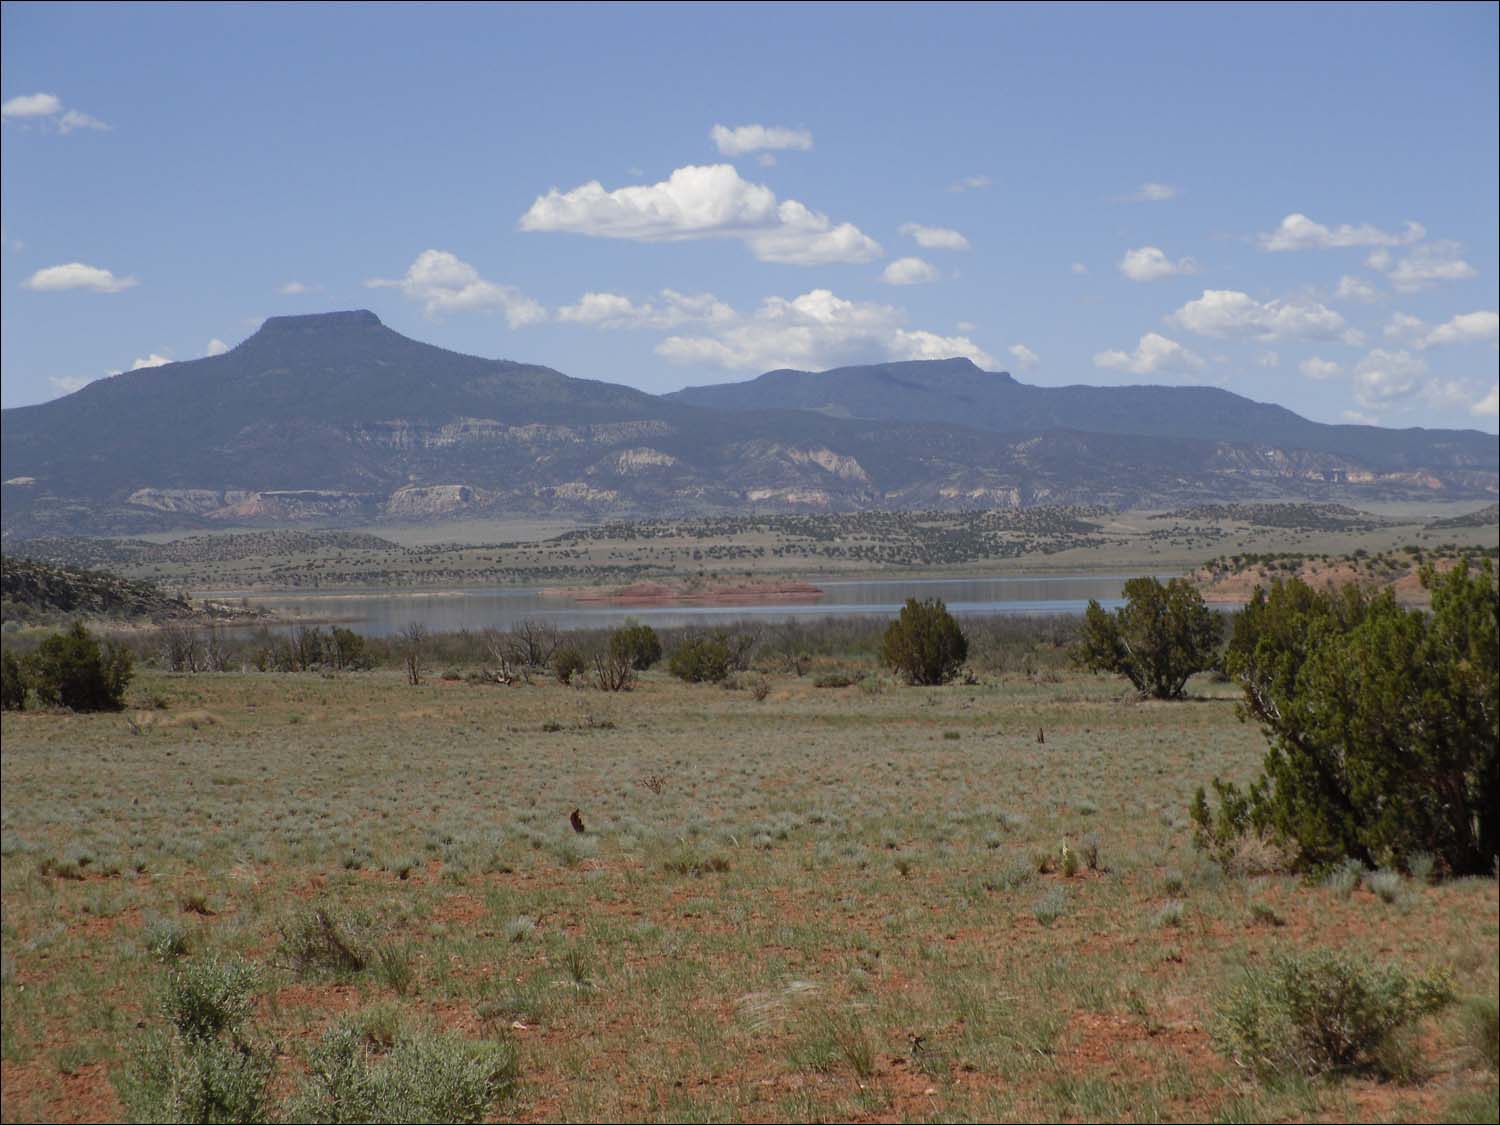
[
  {"x": 953, "y": 365},
  {"x": 318, "y": 324},
  {"x": 353, "y": 335}
]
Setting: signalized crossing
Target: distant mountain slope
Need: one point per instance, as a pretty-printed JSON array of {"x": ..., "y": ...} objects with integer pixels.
[
  {"x": 957, "y": 391},
  {"x": 1485, "y": 517},
  {"x": 32, "y": 591},
  {"x": 334, "y": 418},
  {"x": 263, "y": 412}
]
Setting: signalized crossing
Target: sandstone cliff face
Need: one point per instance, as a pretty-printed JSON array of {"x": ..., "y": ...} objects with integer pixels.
[
  {"x": 846, "y": 468},
  {"x": 629, "y": 462},
  {"x": 298, "y": 506},
  {"x": 428, "y": 501},
  {"x": 403, "y": 435},
  {"x": 199, "y": 501}
]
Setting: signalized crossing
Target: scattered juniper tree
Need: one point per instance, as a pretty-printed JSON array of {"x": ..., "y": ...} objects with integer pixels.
[
  {"x": 702, "y": 659},
  {"x": 1383, "y": 725},
  {"x": 636, "y": 643},
  {"x": 1158, "y": 639},
  {"x": 71, "y": 669},
  {"x": 924, "y": 644},
  {"x": 567, "y": 662}
]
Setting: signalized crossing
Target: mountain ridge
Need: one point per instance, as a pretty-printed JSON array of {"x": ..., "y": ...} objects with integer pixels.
[
  {"x": 336, "y": 418},
  {"x": 957, "y": 390}
]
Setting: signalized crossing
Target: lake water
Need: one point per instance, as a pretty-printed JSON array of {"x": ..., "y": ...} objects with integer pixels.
[{"x": 383, "y": 612}]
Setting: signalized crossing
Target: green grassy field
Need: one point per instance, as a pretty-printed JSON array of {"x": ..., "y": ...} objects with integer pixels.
[{"x": 828, "y": 904}]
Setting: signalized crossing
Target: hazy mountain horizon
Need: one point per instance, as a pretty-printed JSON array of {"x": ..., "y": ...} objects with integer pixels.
[{"x": 335, "y": 417}]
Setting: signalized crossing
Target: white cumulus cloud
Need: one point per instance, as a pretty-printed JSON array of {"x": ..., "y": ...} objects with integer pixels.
[
  {"x": 1230, "y": 314},
  {"x": 935, "y": 238},
  {"x": 1489, "y": 405},
  {"x": 1298, "y": 232},
  {"x": 921, "y": 344},
  {"x": 668, "y": 310},
  {"x": 814, "y": 331},
  {"x": 1353, "y": 288},
  {"x": 77, "y": 275},
  {"x": 1480, "y": 326},
  {"x": 1426, "y": 265},
  {"x": 1405, "y": 326},
  {"x": 67, "y": 384},
  {"x": 1155, "y": 354},
  {"x": 1466, "y": 328},
  {"x": 73, "y": 119},
  {"x": 215, "y": 346},
  {"x": 1149, "y": 263},
  {"x": 1025, "y": 358},
  {"x": 908, "y": 271},
  {"x": 31, "y": 105},
  {"x": 1320, "y": 369},
  {"x": 754, "y": 138},
  {"x": 970, "y": 183},
  {"x": 442, "y": 282},
  {"x": 48, "y": 110},
  {"x": 704, "y": 201},
  {"x": 151, "y": 360},
  {"x": 295, "y": 288},
  {"x": 1382, "y": 377},
  {"x": 1151, "y": 193}
]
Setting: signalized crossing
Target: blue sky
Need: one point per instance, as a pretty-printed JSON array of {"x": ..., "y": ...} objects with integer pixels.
[{"x": 1298, "y": 203}]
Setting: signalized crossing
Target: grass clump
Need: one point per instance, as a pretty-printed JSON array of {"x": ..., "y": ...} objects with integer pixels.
[
  {"x": 1385, "y": 884},
  {"x": 166, "y": 941},
  {"x": 1422, "y": 867},
  {"x": 520, "y": 928},
  {"x": 1323, "y": 1013},
  {"x": 1481, "y": 1029},
  {"x": 833, "y": 679},
  {"x": 320, "y": 941},
  {"x": 1051, "y": 906},
  {"x": 1264, "y": 914},
  {"x": 435, "y": 1078},
  {"x": 689, "y": 860},
  {"x": 1170, "y": 914},
  {"x": 1344, "y": 878},
  {"x": 831, "y": 1040},
  {"x": 393, "y": 967},
  {"x": 1010, "y": 878}
]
